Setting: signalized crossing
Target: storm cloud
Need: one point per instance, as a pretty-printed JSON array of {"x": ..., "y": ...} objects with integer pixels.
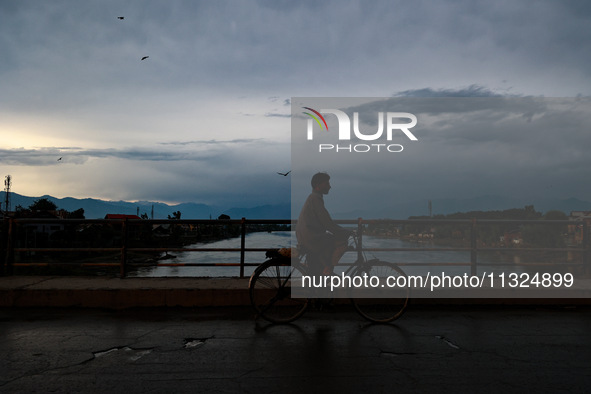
[{"x": 206, "y": 116}]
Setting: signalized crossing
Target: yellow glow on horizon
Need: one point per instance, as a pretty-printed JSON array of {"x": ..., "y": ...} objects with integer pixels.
[
  {"x": 15, "y": 138},
  {"x": 31, "y": 131},
  {"x": 24, "y": 136}
]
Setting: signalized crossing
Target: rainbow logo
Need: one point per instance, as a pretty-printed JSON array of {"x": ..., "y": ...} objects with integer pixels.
[{"x": 315, "y": 118}]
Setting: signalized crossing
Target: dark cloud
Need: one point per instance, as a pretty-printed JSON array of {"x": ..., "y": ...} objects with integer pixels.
[
  {"x": 246, "y": 46},
  {"x": 215, "y": 142},
  {"x": 273, "y": 115},
  {"x": 470, "y": 91},
  {"x": 34, "y": 157},
  {"x": 467, "y": 147},
  {"x": 479, "y": 106},
  {"x": 71, "y": 73},
  {"x": 49, "y": 156}
]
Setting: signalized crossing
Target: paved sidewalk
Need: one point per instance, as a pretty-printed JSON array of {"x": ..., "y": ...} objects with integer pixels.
[
  {"x": 116, "y": 293},
  {"x": 189, "y": 350}
]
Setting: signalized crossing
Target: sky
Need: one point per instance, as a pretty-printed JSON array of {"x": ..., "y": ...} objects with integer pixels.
[
  {"x": 206, "y": 117},
  {"x": 523, "y": 150}
]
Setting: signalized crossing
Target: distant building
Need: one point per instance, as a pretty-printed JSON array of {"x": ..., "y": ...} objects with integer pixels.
[
  {"x": 132, "y": 231},
  {"x": 43, "y": 228},
  {"x": 580, "y": 215},
  {"x": 512, "y": 238},
  {"x": 120, "y": 216},
  {"x": 161, "y": 230},
  {"x": 575, "y": 230},
  {"x": 62, "y": 213}
]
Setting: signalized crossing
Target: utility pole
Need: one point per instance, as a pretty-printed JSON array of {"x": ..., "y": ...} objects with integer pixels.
[{"x": 7, "y": 184}]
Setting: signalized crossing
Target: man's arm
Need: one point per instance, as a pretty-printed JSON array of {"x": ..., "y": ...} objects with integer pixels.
[{"x": 325, "y": 220}]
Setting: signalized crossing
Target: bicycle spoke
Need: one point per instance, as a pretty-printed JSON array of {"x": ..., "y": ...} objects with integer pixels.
[
  {"x": 270, "y": 292},
  {"x": 381, "y": 307}
]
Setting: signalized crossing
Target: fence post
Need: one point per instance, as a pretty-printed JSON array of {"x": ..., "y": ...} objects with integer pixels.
[
  {"x": 359, "y": 237},
  {"x": 5, "y": 247},
  {"x": 242, "y": 245},
  {"x": 9, "y": 259},
  {"x": 123, "y": 268},
  {"x": 586, "y": 251},
  {"x": 473, "y": 248}
]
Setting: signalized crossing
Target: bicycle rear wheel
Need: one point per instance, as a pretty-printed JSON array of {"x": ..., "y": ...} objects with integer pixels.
[
  {"x": 270, "y": 291},
  {"x": 382, "y": 303}
]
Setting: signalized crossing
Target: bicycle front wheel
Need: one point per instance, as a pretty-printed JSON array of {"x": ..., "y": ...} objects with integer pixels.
[
  {"x": 383, "y": 303},
  {"x": 270, "y": 291}
]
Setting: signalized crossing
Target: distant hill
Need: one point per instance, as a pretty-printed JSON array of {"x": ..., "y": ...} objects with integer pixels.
[{"x": 97, "y": 209}]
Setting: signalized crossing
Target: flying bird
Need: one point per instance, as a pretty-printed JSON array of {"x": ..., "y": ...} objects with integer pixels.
[
  {"x": 284, "y": 174},
  {"x": 145, "y": 57},
  {"x": 59, "y": 159},
  {"x": 120, "y": 17}
]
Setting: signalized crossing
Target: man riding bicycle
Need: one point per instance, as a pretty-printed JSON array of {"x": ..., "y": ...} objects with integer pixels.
[{"x": 323, "y": 240}]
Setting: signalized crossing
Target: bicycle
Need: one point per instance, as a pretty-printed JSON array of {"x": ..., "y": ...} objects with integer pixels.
[{"x": 271, "y": 283}]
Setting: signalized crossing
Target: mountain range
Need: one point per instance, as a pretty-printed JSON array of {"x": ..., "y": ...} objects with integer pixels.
[{"x": 97, "y": 209}]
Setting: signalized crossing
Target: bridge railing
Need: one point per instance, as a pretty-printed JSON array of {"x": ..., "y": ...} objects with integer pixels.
[{"x": 26, "y": 242}]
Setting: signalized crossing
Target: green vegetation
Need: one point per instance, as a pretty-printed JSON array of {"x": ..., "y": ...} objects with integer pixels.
[{"x": 44, "y": 208}]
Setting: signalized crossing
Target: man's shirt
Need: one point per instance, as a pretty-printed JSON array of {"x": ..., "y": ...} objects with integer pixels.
[{"x": 314, "y": 220}]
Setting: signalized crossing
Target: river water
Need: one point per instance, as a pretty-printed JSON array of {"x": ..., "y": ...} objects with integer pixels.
[
  {"x": 281, "y": 239},
  {"x": 273, "y": 240}
]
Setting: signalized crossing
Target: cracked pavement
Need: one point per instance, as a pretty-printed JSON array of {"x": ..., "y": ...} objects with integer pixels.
[{"x": 430, "y": 349}]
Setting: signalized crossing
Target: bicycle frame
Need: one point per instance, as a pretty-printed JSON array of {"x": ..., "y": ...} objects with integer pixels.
[
  {"x": 270, "y": 289},
  {"x": 361, "y": 258}
]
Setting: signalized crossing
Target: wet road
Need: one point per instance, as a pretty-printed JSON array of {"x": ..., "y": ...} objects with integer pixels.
[{"x": 430, "y": 349}]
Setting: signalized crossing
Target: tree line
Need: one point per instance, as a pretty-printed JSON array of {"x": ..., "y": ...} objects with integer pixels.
[{"x": 547, "y": 235}]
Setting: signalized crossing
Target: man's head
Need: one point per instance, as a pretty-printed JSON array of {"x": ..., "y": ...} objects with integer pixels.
[{"x": 321, "y": 182}]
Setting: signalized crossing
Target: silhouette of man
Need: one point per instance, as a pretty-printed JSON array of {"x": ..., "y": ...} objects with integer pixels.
[{"x": 324, "y": 241}]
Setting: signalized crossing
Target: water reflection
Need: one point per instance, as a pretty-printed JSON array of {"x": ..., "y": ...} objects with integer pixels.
[
  {"x": 459, "y": 261},
  {"x": 272, "y": 240}
]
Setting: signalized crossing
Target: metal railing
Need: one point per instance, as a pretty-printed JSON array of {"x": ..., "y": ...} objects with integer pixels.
[
  {"x": 582, "y": 247},
  {"x": 122, "y": 233},
  {"x": 127, "y": 231}
]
